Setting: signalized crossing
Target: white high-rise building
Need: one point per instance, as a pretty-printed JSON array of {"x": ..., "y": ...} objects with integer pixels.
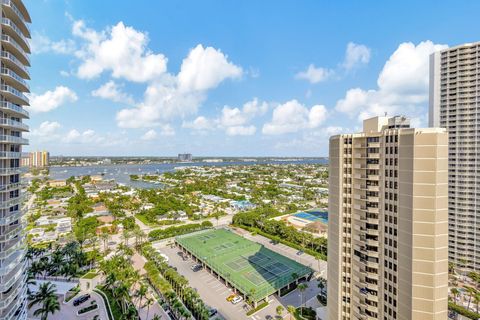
[
  {"x": 454, "y": 105},
  {"x": 13, "y": 74}
]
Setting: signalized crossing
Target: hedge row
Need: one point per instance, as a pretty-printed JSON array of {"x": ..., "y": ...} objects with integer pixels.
[{"x": 169, "y": 232}]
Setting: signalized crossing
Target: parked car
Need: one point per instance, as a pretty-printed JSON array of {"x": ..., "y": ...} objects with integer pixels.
[
  {"x": 299, "y": 253},
  {"x": 180, "y": 253},
  {"x": 196, "y": 267},
  {"x": 231, "y": 297},
  {"x": 78, "y": 301},
  {"x": 212, "y": 312},
  {"x": 237, "y": 299}
]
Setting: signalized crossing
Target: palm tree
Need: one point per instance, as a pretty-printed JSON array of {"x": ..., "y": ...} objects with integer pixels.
[
  {"x": 148, "y": 303},
  {"x": 291, "y": 311},
  {"x": 454, "y": 292},
  {"x": 476, "y": 299},
  {"x": 130, "y": 313},
  {"x": 471, "y": 293},
  {"x": 45, "y": 292},
  {"x": 280, "y": 311},
  {"x": 140, "y": 294},
  {"x": 126, "y": 235},
  {"x": 302, "y": 287},
  {"x": 122, "y": 294},
  {"x": 104, "y": 236},
  {"x": 50, "y": 305}
]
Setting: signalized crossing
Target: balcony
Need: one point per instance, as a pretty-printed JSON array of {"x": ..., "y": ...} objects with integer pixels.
[
  {"x": 19, "y": 15},
  {"x": 12, "y": 94},
  {"x": 10, "y": 171},
  {"x": 11, "y": 45},
  {"x": 10, "y": 186},
  {"x": 15, "y": 311},
  {"x": 12, "y": 124},
  {"x": 13, "y": 139},
  {"x": 11, "y": 217},
  {"x": 18, "y": 111},
  {"x": 12, "y": 263},
  {"x": 14, "y": 31},
  {"x": 4, "y": 254},
  {"x": 6, "y": 299},
  {"x": 8, "y": 280},
  {"x": 16, "y": 65},
  {"x": 7, "y": 204},
  {"x": 14, "y": 80},
  {"x": 10, "y": 155},
  {"x": 12, "y": 233}
]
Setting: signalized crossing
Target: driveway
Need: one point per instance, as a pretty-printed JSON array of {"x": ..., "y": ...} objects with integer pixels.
[{"x": 68, "y": 311}]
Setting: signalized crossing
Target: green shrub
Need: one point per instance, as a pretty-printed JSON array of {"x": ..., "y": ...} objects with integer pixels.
[
  {"x": 259, "y": 307},
  {"x": 178, "y": 230}
]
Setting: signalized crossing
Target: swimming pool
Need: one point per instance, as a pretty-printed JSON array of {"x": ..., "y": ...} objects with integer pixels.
[{"x": 313, "y": 216}]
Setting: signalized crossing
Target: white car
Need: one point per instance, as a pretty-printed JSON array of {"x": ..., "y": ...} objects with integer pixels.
[{"x": 237, "y": 299}]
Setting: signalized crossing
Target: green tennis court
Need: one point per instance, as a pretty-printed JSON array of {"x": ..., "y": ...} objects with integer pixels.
[{"x": 253, "y": 269}]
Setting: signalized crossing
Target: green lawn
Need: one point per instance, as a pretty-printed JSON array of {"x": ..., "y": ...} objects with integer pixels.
[
  {"x": 90, "y": 275},
  {"x": 253, "y": 269}
]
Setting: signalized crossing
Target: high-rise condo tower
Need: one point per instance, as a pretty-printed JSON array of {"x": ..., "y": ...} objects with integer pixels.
[
  {"x": 387, "y": 223},
  {"x": 13, "y": 74},
  {"x": 454, "y": 105}
]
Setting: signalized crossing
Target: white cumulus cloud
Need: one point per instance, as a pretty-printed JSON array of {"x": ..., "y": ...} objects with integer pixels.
[
  {"x": 355, "y": 55},
  {"x": 149, "y": 135},
  {"x": 200, "y": 123},
  {"x": 42, "y": 44},
  {"x": 402, "y": 85},
  {"x": 292, "y": 116},
  {"x": 206, "y": 68},
  {"x": 314, "y": 74},
  {"x": 179, "y": 96},
  {"x": 122, "y": 50},
  {"x": 113, "y": 91},
  {"x": 51, "y": 99},
  {"x": 241, "y": 130}
]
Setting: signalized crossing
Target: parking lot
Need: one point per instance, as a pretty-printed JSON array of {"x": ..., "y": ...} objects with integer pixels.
[{"x": 213, "y": 291}]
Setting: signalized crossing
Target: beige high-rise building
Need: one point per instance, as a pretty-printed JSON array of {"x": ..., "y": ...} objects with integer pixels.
[
  {"x": 388, "y": 221},
  {"x": 454, "y": 105},
  {"x": 13, "y": 74}
]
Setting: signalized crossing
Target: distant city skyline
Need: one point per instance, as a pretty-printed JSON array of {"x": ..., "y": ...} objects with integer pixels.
[{"x": 123, "y": 78}]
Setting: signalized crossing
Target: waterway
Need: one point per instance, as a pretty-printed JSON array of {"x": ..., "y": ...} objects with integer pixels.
[{"x": 121, "y": 173}]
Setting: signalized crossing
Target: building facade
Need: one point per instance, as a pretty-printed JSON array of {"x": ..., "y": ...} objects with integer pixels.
[
  {"x": 37, "y": 159},
  {"x": 14, "y": 72},
  {"x": 184, "y": 157},
  {"x": 388, "y": 221},
  {"x": 454, "y": 105}
]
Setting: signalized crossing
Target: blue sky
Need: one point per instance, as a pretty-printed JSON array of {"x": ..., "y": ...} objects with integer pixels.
[{"x": 229, "y": 78}]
